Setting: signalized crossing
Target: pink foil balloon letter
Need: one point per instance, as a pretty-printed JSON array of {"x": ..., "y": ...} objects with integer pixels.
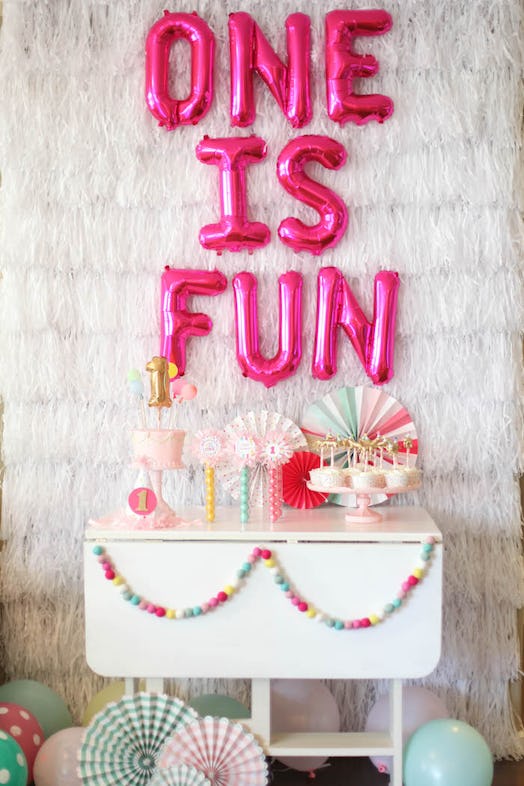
[
  {"x": 343, "y": 65},
  {"x": 332, "y": 210},
  {"x": 177, "y": 323},
  {"x": 233, "y": 232},
  {"x": 171, "y": 112},
  {"x": 374, "y": 342},
  {"x": 289, "y": 353},
  {"x": 250, "y": 51}
]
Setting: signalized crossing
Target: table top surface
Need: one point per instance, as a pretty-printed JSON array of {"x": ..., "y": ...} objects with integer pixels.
[{"x": 402, "y": 523}]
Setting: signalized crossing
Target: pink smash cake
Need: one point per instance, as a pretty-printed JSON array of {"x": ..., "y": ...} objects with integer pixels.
[{"x": 159, "y": 448}]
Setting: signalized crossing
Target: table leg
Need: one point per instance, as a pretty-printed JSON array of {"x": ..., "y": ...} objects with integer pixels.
[
  {"x": 395, "y": 730},
  {"x": 261, "y": 710}
]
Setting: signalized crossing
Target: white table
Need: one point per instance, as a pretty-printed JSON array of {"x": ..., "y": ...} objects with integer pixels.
[{"x": 346, "y": 571}]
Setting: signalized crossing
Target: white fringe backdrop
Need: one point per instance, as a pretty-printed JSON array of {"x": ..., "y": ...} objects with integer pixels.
[{"x": 96, "y": 199}]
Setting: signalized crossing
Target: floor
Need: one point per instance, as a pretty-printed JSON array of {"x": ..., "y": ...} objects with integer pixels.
[{"x": 360, "y": 772}]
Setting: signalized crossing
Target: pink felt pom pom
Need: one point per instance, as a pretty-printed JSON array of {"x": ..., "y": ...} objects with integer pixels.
[{"x": 188, "y": 392}]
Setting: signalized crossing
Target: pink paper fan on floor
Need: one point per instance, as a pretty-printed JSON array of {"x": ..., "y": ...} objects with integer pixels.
[
  {"x": 222, "y": 750},
  {"x": 295, "y": 475}
]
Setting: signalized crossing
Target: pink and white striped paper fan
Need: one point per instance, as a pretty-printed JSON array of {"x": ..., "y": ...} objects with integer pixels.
[{"x": 222, "y": 750}]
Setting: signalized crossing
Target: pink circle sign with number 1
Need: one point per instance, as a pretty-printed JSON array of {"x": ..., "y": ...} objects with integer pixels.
[{"x": 142, "y": 501}]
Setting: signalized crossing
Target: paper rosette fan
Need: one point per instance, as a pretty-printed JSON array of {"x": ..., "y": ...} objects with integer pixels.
[
  {"x": 223, "y": 751},
  {"x": 257, "y": 425},
  {"x": 122, "y": 743},
  {"x": 295, "y": 475},
  {"x": 181, "y": 775},
  {"x": 355, "y": 412}
]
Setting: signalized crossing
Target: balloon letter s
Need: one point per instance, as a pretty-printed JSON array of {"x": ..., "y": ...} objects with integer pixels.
[{"x": 333, "y": 213}]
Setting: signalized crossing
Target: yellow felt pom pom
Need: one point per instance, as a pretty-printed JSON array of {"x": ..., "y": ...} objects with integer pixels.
[
  {"x": 374, "y": 619},
  {"x": 270, "y": 563},
  {"x": 118, "y": 580},
  {"x": 228, "y": 589},
  {"x": 170, "y": 614},
  {"x": 418, "y": 573},
  {"x": 311, "y": 613}
]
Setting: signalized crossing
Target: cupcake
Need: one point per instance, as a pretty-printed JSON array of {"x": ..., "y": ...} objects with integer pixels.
[
  {"x": 326, "y": 477},
  {"x": 367, "y": 479},
  {"x": 414, "y": 475},
  {"x": 396, "y": 478}
]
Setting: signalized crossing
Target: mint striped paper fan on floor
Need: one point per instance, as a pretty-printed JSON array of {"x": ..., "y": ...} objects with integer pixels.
[{"x": 122, "y": 743}]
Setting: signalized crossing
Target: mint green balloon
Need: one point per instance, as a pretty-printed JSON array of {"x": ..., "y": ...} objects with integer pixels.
[
  {"x": 48, "y": 708},
  {"x": 447, "y": 752},
  {"x": 13, "y": 764},
  {"x": 219, "y": 706}
]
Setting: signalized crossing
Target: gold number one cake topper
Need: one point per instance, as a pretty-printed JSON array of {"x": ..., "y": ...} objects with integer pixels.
[{"x": 158, "y": 368}]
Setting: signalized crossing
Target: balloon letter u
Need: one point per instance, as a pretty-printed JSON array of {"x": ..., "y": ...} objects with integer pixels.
[
  {"x": 289, "y": 353},
  {"x": 374, "y": 342}
]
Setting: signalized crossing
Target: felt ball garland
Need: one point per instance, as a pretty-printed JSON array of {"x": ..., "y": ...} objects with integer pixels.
[{"x": 270, "y": 561}]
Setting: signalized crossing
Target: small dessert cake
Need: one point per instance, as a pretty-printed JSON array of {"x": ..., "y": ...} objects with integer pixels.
[
  {"x": 160, "y": 448},
  {"x": 397, "y": 478},
  {"x": 368, "y": 479},
  {"x": 414, "y": 475},
  {"x": 326, "y": 477}
]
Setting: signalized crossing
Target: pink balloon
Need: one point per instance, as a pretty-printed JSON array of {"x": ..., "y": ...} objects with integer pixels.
[
  {"x": 250, "y": 51},
  {"x": 233, "y": 232},
  {"x": 188, "y": 392},
  {"x": 333, "y": 213},
  {"x": 24, "y": 728},
  {"x": 177, "y": 324},
  {"x": 171, "y": 112},
  {"x": 303, "y": 706},
  {"x": 374, "y": 342},
  {"x": 344, "y": 65},
  {"x": 419, "y": 706},
  {"x": 289, "y": 353},
  {"x": 177, "y": 385},
  {"x": 57, "y": 760}
]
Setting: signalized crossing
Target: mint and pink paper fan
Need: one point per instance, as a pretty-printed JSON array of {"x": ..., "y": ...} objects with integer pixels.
[
  {"x": 122, "y": 743},
  {"x": 179, "y": 775},
  {"x": 355, "y": 412},
  {"x": 295, "y": 475},
  {"x": 222, "y": 750}
]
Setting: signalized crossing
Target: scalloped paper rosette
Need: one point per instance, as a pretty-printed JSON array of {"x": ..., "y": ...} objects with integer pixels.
[
  {"x": 257, "y": 425},
  {"x": 123, "y": 742},
  {"x": 179, "y": 775},
  {"x": 353, "y": 412},
  {"x": 295, "y": 475},
  {"x": 222, "y": 750}
]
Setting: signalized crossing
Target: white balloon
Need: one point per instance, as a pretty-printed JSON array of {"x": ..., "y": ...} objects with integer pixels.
[
  {"x": 303, "y": 705},
  {"x": 419, "y": 706},
  {"x": 57, "y": 760}
]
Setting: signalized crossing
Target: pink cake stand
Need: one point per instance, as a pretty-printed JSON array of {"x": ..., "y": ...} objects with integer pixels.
[{"x": 363, "y": 513}]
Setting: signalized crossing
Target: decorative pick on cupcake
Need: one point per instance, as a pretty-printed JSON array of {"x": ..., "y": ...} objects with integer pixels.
[
  {"x": 275, "y": 450},
  {"x": 209, "y": 447},
  {"x": 408, "y": 444}
]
